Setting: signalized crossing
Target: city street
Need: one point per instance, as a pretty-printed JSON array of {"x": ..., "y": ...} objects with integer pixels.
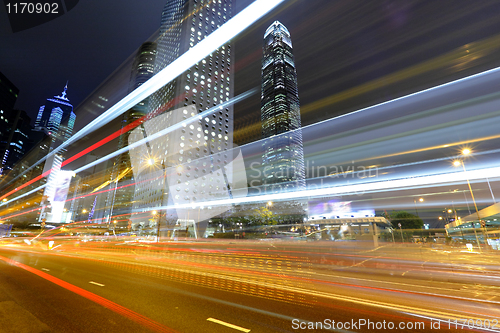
[{"x": 259, "y": 287}]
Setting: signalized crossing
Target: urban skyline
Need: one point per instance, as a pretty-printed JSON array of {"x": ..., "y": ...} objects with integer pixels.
[
  {"x": 239, "y": 118},
  {"x": 253, "y": 166}
]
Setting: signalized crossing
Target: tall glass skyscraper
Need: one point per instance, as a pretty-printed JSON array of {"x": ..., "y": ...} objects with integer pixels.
[
  {"x": 118, "y": 201},
  {"x": 56, "y": 117},
  {"x": 188, "y": 164},
  {"x": 283, "y": 158}
]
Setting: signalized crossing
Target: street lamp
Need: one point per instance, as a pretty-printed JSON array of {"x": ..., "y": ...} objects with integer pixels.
[
  {"x": 158, "y": 216},
  {"x": 457, "y": 163},
  {"x": 415, "y": 202}
]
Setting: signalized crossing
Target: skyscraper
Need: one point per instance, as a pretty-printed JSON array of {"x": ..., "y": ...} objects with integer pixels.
[
  {"x": 17, "y": 140},
  {"x": 8, "y": 94},
  {"x": 56, "y": 118},
  {"x": 118, "y": 202},
  {"x": 144, "y": 64},
  {"x": 8, "y": 97},
  {"x": 283, "y": 158},
  {"x": 198, "y": 151}
]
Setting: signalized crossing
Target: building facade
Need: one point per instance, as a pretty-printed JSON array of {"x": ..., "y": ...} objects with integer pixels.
[
  {"x": 8, "y": 98},
  {"x": 283, "y": 157},
  {"x": 189, "y": 164},
  {"x": 17, "y": 140},
  {"x": 119, "y": 201},
  {"x": 56, "y": 118}
]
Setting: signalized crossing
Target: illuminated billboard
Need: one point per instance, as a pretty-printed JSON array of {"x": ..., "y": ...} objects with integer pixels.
[{"x": 335, "y": 209}]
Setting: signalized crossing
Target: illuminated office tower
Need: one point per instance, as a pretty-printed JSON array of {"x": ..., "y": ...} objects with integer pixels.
[
  {"x": 143, "y": 66},
  {"x": 204, "y": 86},
  {"x": 118, "y": 201},
  {"x": 8, "y": 98},
  {"x": 56, "y": 118},
  {"x": 18, "y": 138},
  {"x": 283, "y": 159}
]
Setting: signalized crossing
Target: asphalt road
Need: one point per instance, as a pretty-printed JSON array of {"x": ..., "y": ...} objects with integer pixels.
[{"x": 255, "y": 287}]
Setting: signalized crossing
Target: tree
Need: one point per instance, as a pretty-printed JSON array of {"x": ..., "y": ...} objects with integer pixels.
[
  {"x": 407, "y": 220},
  {"x": 265, "y": 216}
]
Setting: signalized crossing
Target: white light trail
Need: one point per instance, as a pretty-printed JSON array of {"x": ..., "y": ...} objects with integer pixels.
[
  {"x": 169, "y": 129},
  {"x": 23, "y": 195},
  {"x": 492, "y": 71},
  {"x": 347, "y": 189},
  {"x": 219, "y": 37},
  {"x": 209, "y": 44}
]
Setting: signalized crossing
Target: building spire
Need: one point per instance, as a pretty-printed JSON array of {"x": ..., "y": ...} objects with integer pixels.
[{"x": 63, "y": 94}]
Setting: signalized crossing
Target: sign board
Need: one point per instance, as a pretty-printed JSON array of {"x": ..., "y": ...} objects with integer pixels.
[{"x": 5, "y": 230}]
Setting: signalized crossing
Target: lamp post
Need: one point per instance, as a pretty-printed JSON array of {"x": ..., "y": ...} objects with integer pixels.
[
  {"x": 415, "y": 202},
  {"x": 157, "y": 216},
  {"x": 457, "y": 163},
  {"x": 401, "y": 230}
]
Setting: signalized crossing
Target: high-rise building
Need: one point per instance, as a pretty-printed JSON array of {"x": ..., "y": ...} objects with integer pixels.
[
  {"x": 18, "y": 139},
  {"x": 144, "y": 64},
  {"x": 283, "y": 158},
  {"x": 187, "y": 164},
  {"x": 8, "y": 94},
  {"x": 8, "y": 97},
  {"x": 118, "y": 202},
  {"x": 56, "y": 118}
]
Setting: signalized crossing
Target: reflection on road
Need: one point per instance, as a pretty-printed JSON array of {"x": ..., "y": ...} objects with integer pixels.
[{"x": 405, "y": 281}]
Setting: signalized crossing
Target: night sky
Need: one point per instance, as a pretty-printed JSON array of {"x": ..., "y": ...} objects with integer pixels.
[
  {"x": 339, "y": 46},
  {"x": 84, "y": 46}
]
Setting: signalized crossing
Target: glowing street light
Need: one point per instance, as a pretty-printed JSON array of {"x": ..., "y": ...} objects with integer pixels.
[
  {"x": 457, "y": 163},
  {"x": 154, "y": 212},
  {"x": 415, "y": 202},
  {"x": 84, "y": 211},
  {"x": 269, "y": 203}
]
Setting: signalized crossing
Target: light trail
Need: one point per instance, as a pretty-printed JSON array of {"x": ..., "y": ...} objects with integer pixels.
[
  {"x": 342, "y": 190},
  {"x": 219, "y": 37},
  {"x": 479, "y": 75},
  {"x": 23, "y": 195},
  {"x": 127, "y": 148},
  {"x": 132, "y": 315},
  {"x": 169, "y": 129}
]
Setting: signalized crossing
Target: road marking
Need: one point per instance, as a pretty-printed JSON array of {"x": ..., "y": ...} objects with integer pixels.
[
  {"x": 246, "y": 330},
  {"x": 46, "y": 269},
  {"x": 127, "y": 313},
  {"x": 97, "y": 284}
]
